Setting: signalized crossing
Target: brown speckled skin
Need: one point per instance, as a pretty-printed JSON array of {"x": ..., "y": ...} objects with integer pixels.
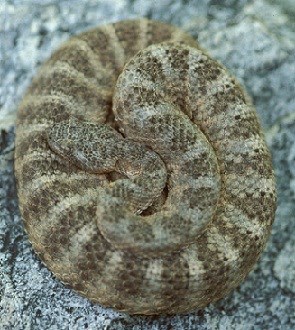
[{"x": 204, "y": 229}]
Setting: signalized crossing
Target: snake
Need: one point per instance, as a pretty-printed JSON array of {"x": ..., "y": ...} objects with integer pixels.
[{"x": 143, "y": 176}]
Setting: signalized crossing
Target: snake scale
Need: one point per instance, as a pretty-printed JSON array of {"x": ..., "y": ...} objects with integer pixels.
[{"x": 143, "y": 177}]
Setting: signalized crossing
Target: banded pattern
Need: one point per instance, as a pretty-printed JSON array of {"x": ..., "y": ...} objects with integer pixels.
[{"x": 143, "y": 177}]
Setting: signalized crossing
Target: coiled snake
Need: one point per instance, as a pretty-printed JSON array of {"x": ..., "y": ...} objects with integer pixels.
[{"x": 143, "y": 177}]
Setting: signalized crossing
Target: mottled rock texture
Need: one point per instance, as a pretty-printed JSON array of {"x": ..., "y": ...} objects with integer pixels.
[{"x": 255, "y": 39}]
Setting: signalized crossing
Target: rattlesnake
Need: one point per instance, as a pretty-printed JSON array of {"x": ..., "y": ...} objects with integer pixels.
[{"x": 145, "y": 186}]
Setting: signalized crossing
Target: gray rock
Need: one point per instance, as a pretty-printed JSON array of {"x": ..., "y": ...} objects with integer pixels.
[
  {"x": 256, "y": 41},
  {"x": 284, "y": 267}
]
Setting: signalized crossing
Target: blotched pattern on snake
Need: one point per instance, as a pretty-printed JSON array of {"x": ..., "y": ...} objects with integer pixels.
[{"x": 143, "y": 176}]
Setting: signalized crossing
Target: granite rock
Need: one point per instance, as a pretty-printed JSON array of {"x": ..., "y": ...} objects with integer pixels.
[{"x": 256, "y": 41}]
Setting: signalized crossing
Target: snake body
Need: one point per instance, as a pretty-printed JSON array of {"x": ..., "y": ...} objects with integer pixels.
[{"x": 143, "y": 177}]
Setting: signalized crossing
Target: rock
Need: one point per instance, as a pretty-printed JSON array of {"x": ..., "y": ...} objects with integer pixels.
[
  {"x": 256, "y": 41},
  {"x": 284, "y": 267}
]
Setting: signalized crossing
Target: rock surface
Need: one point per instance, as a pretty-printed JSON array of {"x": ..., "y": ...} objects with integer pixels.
[{"x": 256, "y": 41}]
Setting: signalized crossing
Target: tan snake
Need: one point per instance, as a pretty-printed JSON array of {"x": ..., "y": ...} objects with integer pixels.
[{"x": 143, "y": 176}]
